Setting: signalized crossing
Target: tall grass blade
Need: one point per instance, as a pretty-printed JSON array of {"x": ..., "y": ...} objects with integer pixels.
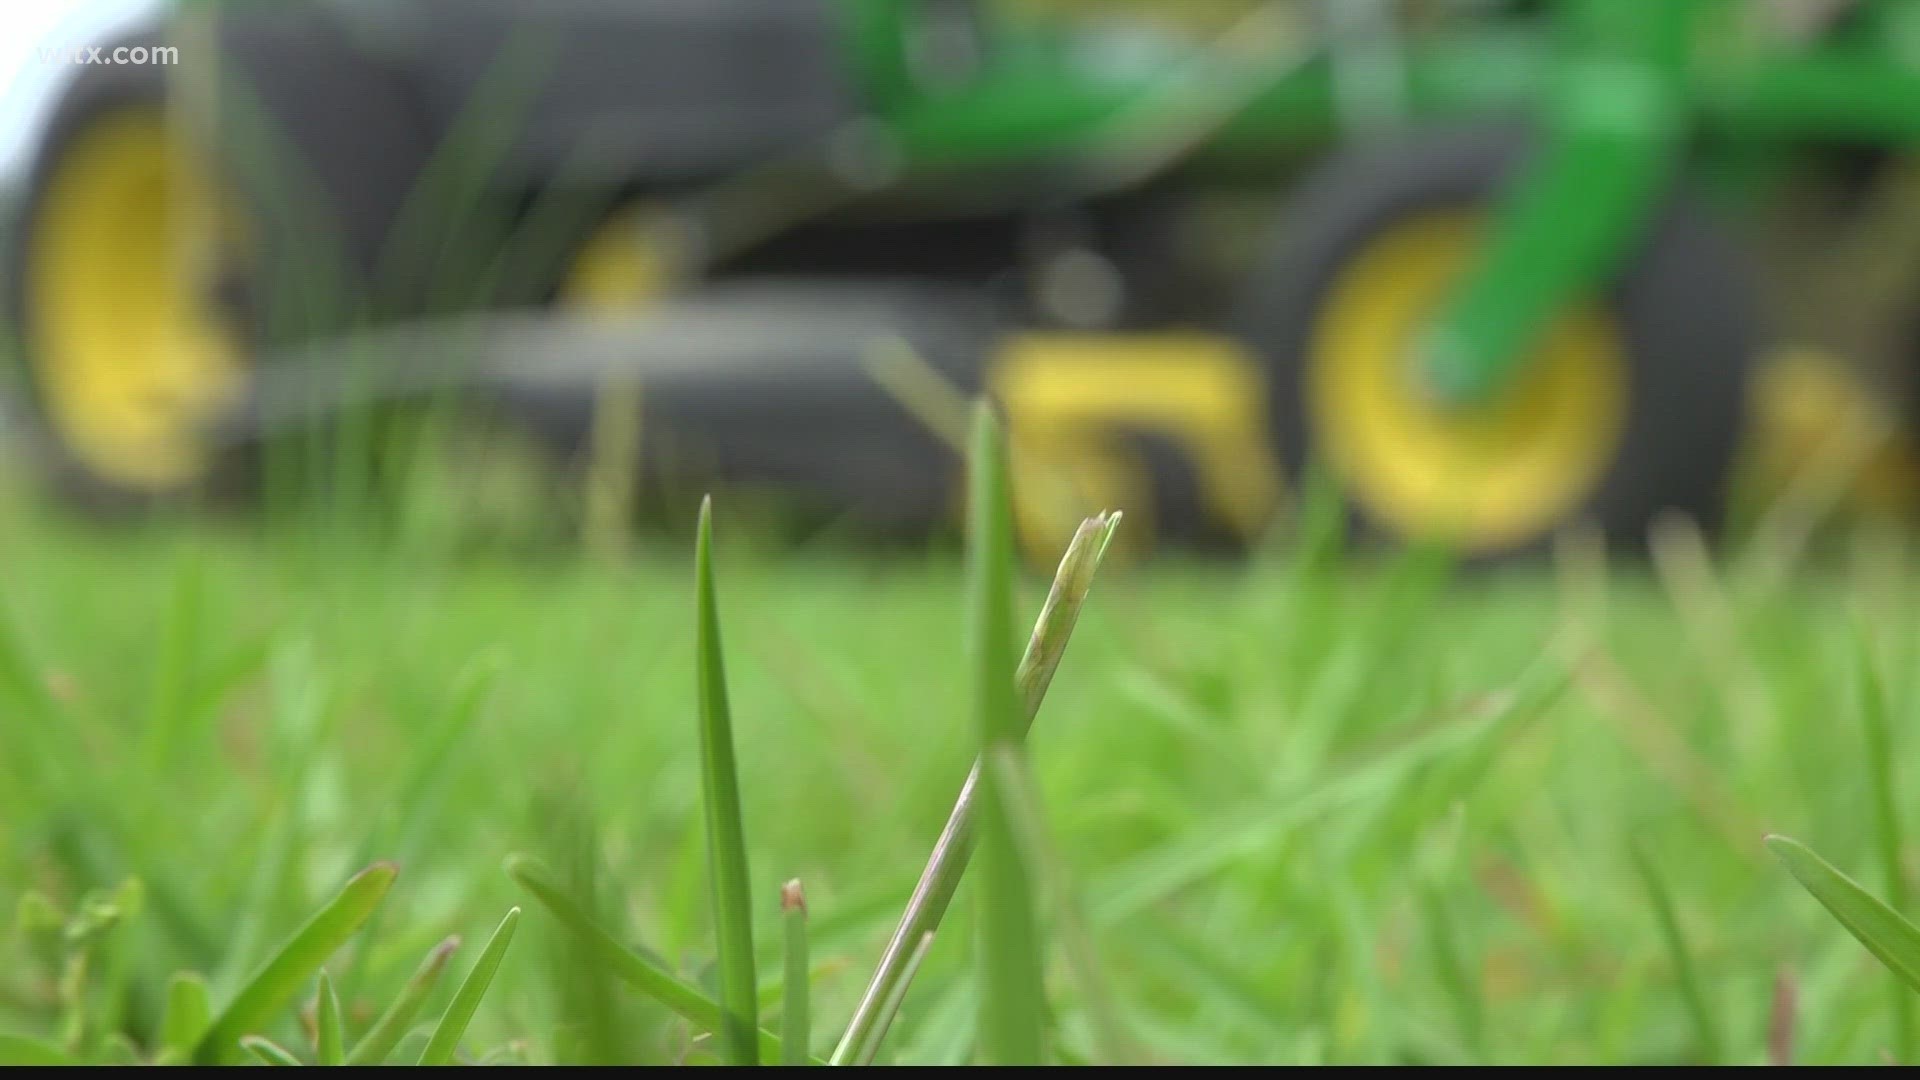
[
  {"x": 415, "y": 798},
  {"x": 948, "y": 862},
  {"x": 40, "y": 744},
  {"x": 1886, "y": 815},
  {"x": 174, "y": 659},
  {"x": 268, "y": 1052},
  {"x": 1208, "y": 972},
  {"x": 466, "y": 1000},
  {"x": 1234, "y": 834},
  {"x": 1027, "y": 818},
  {"x": 1783, "y": 1013},
  {"x": 329, "y": 1045},
  {"x": 386, "y": 1033},
  {"x": 682, "y": 997},
  {"x": 1450, "y": 966},
  {"x": 413, "y": 803},
  {"x": 1011, "y": 998},
  {"x": 20, "y": 1050},
  {"x": 1886, "y": 934},
  {"x": 1692, "y": 991},
  {"x": 597, "y": 1028},
  {"x": 300, "y": 696},
  {"x": 890, "y": 1009},
  {"x": 1369, "y": 1029},
  {"x": 280, "y": 978},
  {"x": 726, "y": 836},
  {"x": 796, "y": 1024},
  {"x": 189, "y": 1011}
]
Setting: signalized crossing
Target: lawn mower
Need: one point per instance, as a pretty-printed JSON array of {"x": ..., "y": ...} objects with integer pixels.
[{"x": 1468, "y": 260}]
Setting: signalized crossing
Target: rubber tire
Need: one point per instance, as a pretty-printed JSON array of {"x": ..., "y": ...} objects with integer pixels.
[
  {"x": 323, "y": 141},
  {"x": 1683, "y": 303},
  {"x": 97, "y": 91},
  {"x": 357, "y": 144}
]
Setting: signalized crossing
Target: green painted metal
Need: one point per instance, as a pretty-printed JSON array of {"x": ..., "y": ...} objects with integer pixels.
[
  {"x": 875, "y": 34},
  {"x": 1608, "y": 130},
  {"x": 1053, "y": 86},
  {"x": 1837, "y": 93},
  {"x": 1611, "y": 88}
]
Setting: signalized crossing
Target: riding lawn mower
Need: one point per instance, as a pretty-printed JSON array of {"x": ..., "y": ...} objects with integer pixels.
[{"x": 1494, "y": 267}]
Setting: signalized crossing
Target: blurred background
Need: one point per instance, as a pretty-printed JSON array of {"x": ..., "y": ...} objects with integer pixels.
[
  {"x": 1488, "y": 268},
  {"x": 363, "y": 364}
]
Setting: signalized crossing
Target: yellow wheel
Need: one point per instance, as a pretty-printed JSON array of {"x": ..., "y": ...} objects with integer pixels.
[
  {"x": 121, "y": 241},
  {"x": 1627, "y": 405},
  {"x": 631, "y": 260},
  {"x": 1495, "y": 474}
]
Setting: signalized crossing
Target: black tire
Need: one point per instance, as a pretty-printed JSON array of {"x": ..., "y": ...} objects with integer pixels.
[
  {"x": 1680, "y": 302},
  {"x": 318, "y": 158},
  {"x": 97, "y": 93},
  {"x": 324, "y": 142}
]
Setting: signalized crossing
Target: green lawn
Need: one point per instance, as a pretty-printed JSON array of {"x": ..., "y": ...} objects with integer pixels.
[{"x": 1302, "y": 820}]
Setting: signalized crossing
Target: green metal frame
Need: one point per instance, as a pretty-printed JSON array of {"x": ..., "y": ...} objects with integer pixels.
[
  {"x": 1611, "y": 122},
  {"x": 1642, "y": 76},
  {"x": 1614, "y": 90}
]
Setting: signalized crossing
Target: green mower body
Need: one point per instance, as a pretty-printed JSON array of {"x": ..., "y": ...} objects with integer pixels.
[{"x": 1496, "y": 303}]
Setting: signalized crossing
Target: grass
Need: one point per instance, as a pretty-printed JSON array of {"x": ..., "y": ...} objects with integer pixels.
[
  {"x": 279, "y": 979},
  {"x": 1303, "y": 809},
  {"x": 1011, "y": 955},
  {"x": 726, "y": 839},
  {"x": 453, "y": 1023},
  {"x": 796, "y": 1022}
]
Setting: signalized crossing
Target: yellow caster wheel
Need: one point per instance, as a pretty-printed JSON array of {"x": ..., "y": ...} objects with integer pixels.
[{"x": 1629, "y": 405}]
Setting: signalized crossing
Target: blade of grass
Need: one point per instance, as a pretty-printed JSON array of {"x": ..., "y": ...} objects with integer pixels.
[
  {"x": 891, "y": 1007},
  {"x": 279, "y": 979},
  {"x": 1214, "y": 976},
  {"x": 1370, "y": 1028},
  {"x": 726, "y": 835},
  {"x": 944, "y": 1035},
  {"x": 41, "y": 744},
  {"x": 1205, "y": 847},
  {"x": 948, "y": 862},
  {"x": 1443, "y": 944},
  {"x": 189, "y": 1010},
  {"x": 1011, "y": 997},
  {"x": 597, "y": 1026},
  {"x": 171, "y": 689},
  {"x": 415, "y": 798},
  {"x": 453, "y": 1022},
  {"x": 329, "y": 1046},
  {"x": 1699, "y": 1008},
  {"x": 637, "y": 971},
  {"x": 414, "y": 801},
  {"x": 379, "y": 1041},
  {"x": 1027, "y": 818},
  {"x": 773, "y": 992},
  {"x": 267, "y": 1052},
  {"x": 796, "y": 1025},
  {"x": 1886, "y": 815},
  {"x": 300, "y": 692},
  {"x": 1881, "y": 929},
  {"x": 272, "y": 861},
  {"x": 20, "y": 1050},
  {"x": 1782, "y": 1013}
]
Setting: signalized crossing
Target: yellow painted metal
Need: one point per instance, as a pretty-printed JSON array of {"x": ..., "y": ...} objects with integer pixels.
[
  {"x": 1071, "y": 400},
  {"x": 131, "y": 362},
  {"x": 1485, "y": 476}
]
